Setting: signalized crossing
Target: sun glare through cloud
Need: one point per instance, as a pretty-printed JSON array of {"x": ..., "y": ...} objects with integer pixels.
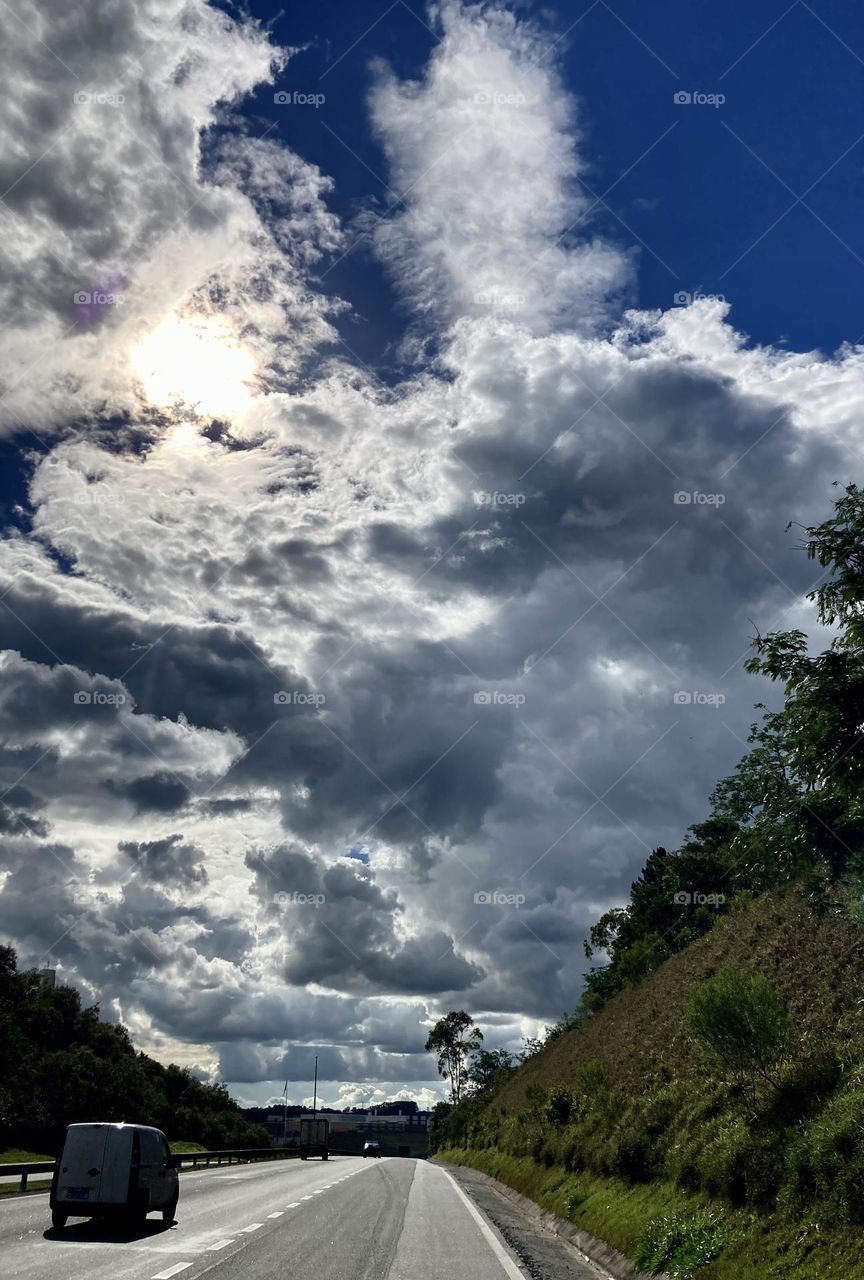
[{"x": 198, "y": 361}]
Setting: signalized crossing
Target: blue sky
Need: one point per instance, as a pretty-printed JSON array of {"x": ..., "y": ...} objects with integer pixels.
[{"x": 757, "y": 199}]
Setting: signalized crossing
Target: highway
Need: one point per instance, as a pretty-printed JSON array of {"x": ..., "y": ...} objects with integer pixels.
[{"x": 346, "y": 1219}]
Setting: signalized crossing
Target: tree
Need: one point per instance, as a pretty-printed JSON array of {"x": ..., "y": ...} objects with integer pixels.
[
  {"x": 531, "y": 1045},
  {"x": 59, "y": 1063},
  {"x": 488, "y": 1068},
  {"x": 742, "y": 1023},
  {"x": 453, "y": 1038}
]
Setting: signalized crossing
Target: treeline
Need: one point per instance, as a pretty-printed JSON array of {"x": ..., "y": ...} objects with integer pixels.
[{"x": 60, "y": 1064}]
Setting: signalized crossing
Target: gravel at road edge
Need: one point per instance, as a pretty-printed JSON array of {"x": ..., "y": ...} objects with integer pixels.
[{"x": 549, "y": 1247}]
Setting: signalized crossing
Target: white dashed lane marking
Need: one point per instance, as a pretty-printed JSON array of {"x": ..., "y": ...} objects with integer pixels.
[
  {"x": 254, "y": 1227},
  {"x": 277, "y": 1214},
  {"x": 172, "y": 1271},
  {"x": 220, "y": 1244}
]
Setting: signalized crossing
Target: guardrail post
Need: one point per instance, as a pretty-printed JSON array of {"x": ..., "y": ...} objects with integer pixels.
[{"x": 23, "y": 1182}]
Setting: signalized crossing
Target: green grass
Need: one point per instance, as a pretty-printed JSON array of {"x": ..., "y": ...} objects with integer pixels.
[
  {"x": 769, "y": 1248},
  {"x": 16, "y": 1155},
  {"x": 35, "y": 1184},
  {"x": 185, "y": 1148}
]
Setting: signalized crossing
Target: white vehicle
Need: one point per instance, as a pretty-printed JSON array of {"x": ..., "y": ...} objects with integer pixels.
[{"x": 114, "y": 1169}]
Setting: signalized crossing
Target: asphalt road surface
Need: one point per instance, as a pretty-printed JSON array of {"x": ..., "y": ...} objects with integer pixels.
[{"x": 346, "y": 1219}]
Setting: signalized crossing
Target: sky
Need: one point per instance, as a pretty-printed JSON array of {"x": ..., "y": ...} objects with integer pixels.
[{"x": 402, "y": 411}]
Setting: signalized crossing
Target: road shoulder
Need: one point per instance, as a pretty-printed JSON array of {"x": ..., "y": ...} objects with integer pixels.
[{"x": 549, "y": 1247}]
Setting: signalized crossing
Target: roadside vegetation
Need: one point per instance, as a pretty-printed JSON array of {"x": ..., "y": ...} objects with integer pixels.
[
  {"x": 60, "y": 1064},
  {"x": 703, "y": 1108}
]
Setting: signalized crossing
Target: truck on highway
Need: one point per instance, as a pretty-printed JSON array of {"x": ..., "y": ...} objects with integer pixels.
[
  {"x": 314, "y": 1138},
  {"x": 114, "y": 1169}
]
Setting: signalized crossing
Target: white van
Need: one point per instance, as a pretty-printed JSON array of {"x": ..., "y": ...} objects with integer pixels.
[{"x": 114, "y": 1169}]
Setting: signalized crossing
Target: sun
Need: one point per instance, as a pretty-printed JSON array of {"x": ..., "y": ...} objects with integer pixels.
[{"x": 196, "y": 360}]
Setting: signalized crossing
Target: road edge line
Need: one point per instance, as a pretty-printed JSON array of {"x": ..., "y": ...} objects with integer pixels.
[{"x": 500, "y": 1247}]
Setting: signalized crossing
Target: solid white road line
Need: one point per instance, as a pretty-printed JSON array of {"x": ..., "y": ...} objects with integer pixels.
[
  {"x": 172, "y": 1271},
  {"x": 495, "y": 1244}
]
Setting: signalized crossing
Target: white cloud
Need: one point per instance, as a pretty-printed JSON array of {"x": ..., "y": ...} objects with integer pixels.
[{"x": 483, "y": 151}]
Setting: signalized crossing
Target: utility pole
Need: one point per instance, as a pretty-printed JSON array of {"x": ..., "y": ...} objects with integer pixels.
[
  {"x": 285, "y": 1116},
  {"x": 315, "y": 1090}
]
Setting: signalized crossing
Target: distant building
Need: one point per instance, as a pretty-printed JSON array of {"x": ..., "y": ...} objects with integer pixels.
[
  {"x": 393, "y": 1122},
  {"x": 48, "y": 977}
]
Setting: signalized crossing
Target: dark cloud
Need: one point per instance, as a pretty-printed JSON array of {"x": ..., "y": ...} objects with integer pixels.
[
  {"x": 215, "y": 677},
  {"x": 156, "y": 792},
  {"x": 340, "y": 928},
  {"x": 168, "y": 861}
]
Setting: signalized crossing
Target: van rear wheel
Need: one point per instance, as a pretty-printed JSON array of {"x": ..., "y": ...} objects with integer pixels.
[{"x": 59, "y": 1219}]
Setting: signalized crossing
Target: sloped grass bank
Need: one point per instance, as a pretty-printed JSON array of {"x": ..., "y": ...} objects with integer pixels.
[{"x": 756, "y": 1248}]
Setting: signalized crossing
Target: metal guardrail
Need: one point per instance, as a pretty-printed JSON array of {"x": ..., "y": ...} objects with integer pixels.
[
  {"x": 247, "y": 1153},
  {"x": 25, "y": 1170},
  {"x": 178, "y": 1161}
]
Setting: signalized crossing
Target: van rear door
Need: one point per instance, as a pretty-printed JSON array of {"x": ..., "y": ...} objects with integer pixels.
[
  {"x": 79, "y": 1180},
  {"x": 117, "y": 1166}
]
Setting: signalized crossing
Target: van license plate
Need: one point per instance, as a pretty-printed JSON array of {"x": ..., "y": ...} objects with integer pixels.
[{"x": 77, "y": 1193}]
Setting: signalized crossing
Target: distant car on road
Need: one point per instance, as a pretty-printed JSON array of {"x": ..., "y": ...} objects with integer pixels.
[
  {"x": 114, "y": 1169},
  {"x": 371, "y": 1149}
]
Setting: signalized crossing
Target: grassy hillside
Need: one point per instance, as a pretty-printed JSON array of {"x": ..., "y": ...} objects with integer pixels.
[
  {"x": 815, "y": 960},
  {"x": 626, "y": 1127}
]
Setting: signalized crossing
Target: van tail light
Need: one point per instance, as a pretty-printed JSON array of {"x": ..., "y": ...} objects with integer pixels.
[{"x": 136, "y": 1151}]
